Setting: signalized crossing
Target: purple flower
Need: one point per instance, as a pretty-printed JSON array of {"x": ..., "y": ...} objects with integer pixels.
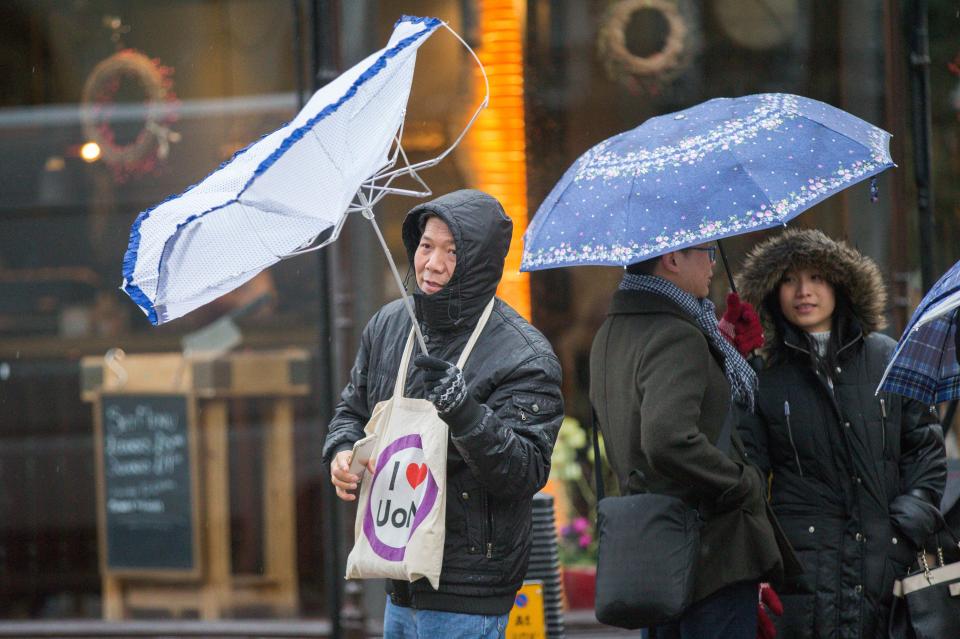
[
  {"x": 581, "y": 525},
  {"x": 566, "y": 531}
]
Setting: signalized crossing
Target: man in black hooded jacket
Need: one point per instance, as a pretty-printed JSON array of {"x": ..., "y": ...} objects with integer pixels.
[{"x": 504, "y": 411}]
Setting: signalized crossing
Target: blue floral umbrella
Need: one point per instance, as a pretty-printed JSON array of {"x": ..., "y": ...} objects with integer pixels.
[
  {"x": 925, "y": 365},
  {"x": 722, "y": 168}
]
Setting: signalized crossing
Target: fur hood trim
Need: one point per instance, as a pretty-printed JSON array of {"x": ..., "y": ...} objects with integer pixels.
[{"x": 842, "y": 266}]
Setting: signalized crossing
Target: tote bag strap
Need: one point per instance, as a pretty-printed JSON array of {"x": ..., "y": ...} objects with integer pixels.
[
  {"x": 476, "y": 333},
  {"x": 408, "y": 349},
  {"x": 597, "y": 460},
  {"x": 404, "y": 363}
]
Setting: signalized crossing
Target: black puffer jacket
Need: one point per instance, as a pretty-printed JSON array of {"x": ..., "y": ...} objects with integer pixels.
[
  {"x": 495, "y": 467},
  {"x": 840, "y": 457}
]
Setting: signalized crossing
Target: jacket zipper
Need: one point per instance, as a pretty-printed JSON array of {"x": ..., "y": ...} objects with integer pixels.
[
  {"x": 883, "y": 427},
  {"x": 796, "y": 454},
  {"x": 489, "y": 530}
]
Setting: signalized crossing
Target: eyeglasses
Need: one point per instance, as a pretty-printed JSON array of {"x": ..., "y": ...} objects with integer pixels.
[{"x": 711, "y": 251}]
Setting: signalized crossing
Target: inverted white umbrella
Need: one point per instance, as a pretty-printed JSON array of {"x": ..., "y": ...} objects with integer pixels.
[{"x": 277, "y": 197}]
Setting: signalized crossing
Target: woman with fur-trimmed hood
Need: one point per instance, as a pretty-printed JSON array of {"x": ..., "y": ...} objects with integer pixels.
[{"x": 855, "y": 476}]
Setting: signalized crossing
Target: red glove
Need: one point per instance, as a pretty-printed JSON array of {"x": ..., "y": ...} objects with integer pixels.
[
  {"x": 741, "y": 325},
  {"x": 768, "y": 600}
]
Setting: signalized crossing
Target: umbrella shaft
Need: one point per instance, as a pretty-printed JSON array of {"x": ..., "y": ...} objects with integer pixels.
[
  {"x": 726, "y": 266},
  {"x": 407, "y": 303}
]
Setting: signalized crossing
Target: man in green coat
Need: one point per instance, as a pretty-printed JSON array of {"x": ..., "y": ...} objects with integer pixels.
[{"x": 663, "y": 382}]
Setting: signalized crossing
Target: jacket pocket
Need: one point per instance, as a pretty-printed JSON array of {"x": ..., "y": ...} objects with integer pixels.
[
  {"x": 901, "y": 552},
  {"x": 793, "y": 444},
  {"x": 470, "y": 503},
  {"x": 883, "y": 428},
  {"x": 805, "y": 583},
  {"x": 891, "y": 479},
  {"x": 530, "y": 407},
  {"x": 487, "y": 539}
]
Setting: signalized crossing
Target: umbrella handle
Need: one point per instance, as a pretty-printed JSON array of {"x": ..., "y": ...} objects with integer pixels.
[{"x": 755, "y": 359}]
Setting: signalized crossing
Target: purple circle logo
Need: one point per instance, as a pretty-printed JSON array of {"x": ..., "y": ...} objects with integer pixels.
[{"x": 402, "y": 494}]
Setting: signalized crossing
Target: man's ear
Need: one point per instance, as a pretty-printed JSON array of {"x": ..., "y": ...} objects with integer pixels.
[{"x": 668, "y": 262}]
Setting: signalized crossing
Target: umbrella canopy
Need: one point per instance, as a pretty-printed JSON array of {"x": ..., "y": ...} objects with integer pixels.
[
  {"x": 924, "y": 366},
  {"x": 721, "y": 168},
  {"x": 279, "y": 194}
]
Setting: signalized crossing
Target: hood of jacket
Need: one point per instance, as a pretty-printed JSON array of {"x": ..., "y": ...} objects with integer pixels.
[
  {"x": 481, "y": 231},
  {"x": 843, "y": 266}
]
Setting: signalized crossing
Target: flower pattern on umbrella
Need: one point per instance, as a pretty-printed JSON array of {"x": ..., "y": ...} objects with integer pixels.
[{"x": 722, "y": 168}]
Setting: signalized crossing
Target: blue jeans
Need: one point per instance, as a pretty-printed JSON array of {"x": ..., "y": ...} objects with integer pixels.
[
  {"x": 410, "y": 623},
  {"x": 729, "y": 613}
]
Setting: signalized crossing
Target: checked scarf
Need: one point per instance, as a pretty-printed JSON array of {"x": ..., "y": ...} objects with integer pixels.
[{"x": 742, "y": 378}]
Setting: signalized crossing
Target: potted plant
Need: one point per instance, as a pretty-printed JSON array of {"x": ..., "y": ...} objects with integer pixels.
[
  {"x": 572, "y": 465},
  {"x": 578, "y": 556}
]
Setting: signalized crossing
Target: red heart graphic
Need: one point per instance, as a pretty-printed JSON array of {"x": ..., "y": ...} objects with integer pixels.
[{"x": 416, "y": 474}]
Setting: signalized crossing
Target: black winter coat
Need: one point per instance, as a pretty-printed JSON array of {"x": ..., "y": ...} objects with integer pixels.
[
  {"x": 839, "y": 458},
  {"x": 495, "y": 466}
]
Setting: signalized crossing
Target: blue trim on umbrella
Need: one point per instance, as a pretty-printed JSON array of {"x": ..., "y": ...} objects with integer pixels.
[
  {"x": 377, "y": 67},
  {"x": 432, "y": 23},
  {"x": 133, "y": 246}
]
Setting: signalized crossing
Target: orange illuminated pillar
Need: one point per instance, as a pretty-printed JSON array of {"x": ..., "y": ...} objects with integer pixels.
[{"x": 496, "y": 145}]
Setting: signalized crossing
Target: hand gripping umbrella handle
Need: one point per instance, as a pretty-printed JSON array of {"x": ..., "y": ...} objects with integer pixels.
[{"x": 754, "y": 358}]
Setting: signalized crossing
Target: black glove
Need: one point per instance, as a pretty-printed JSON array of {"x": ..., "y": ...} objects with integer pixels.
[
  {"x": 444, "y": 388},
  {"x": 914, "y": 516}
]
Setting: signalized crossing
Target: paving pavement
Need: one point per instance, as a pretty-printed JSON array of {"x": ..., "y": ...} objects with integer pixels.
[{"x": 583, "y": 623}]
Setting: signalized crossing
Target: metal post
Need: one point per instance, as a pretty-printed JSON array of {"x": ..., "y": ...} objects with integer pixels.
[
  {"x": 921, "y": 125},
  {"x": 895, "y": 109},
  {"x": 325, "y": 389}
]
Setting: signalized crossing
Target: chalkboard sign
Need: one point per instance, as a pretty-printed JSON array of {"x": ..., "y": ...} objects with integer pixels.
[{"x": 148, "y": 496}]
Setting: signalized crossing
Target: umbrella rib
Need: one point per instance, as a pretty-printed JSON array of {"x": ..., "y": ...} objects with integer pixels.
[
  {"x": 387, "y": 177},
  {"x": 486, "y": 101},
  {"x": 626, "y": 216},
  {"x": 747, "y": 172},
  {"x": 939, "y": 369}
]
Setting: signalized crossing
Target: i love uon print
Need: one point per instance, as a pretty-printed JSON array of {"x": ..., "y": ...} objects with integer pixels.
[{"x": 402, "y": 493}]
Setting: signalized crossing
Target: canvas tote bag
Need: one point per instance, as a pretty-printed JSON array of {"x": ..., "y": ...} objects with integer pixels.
[{"x": 400, "y": 525}]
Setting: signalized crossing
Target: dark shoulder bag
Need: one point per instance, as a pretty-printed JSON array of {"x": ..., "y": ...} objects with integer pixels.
[
  {"x": 647, "y": 555},
  {"x": 926, "y": 604}
]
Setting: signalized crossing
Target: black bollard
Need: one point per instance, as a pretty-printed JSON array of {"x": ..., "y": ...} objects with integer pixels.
[{"x": 545, "y": 563}]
